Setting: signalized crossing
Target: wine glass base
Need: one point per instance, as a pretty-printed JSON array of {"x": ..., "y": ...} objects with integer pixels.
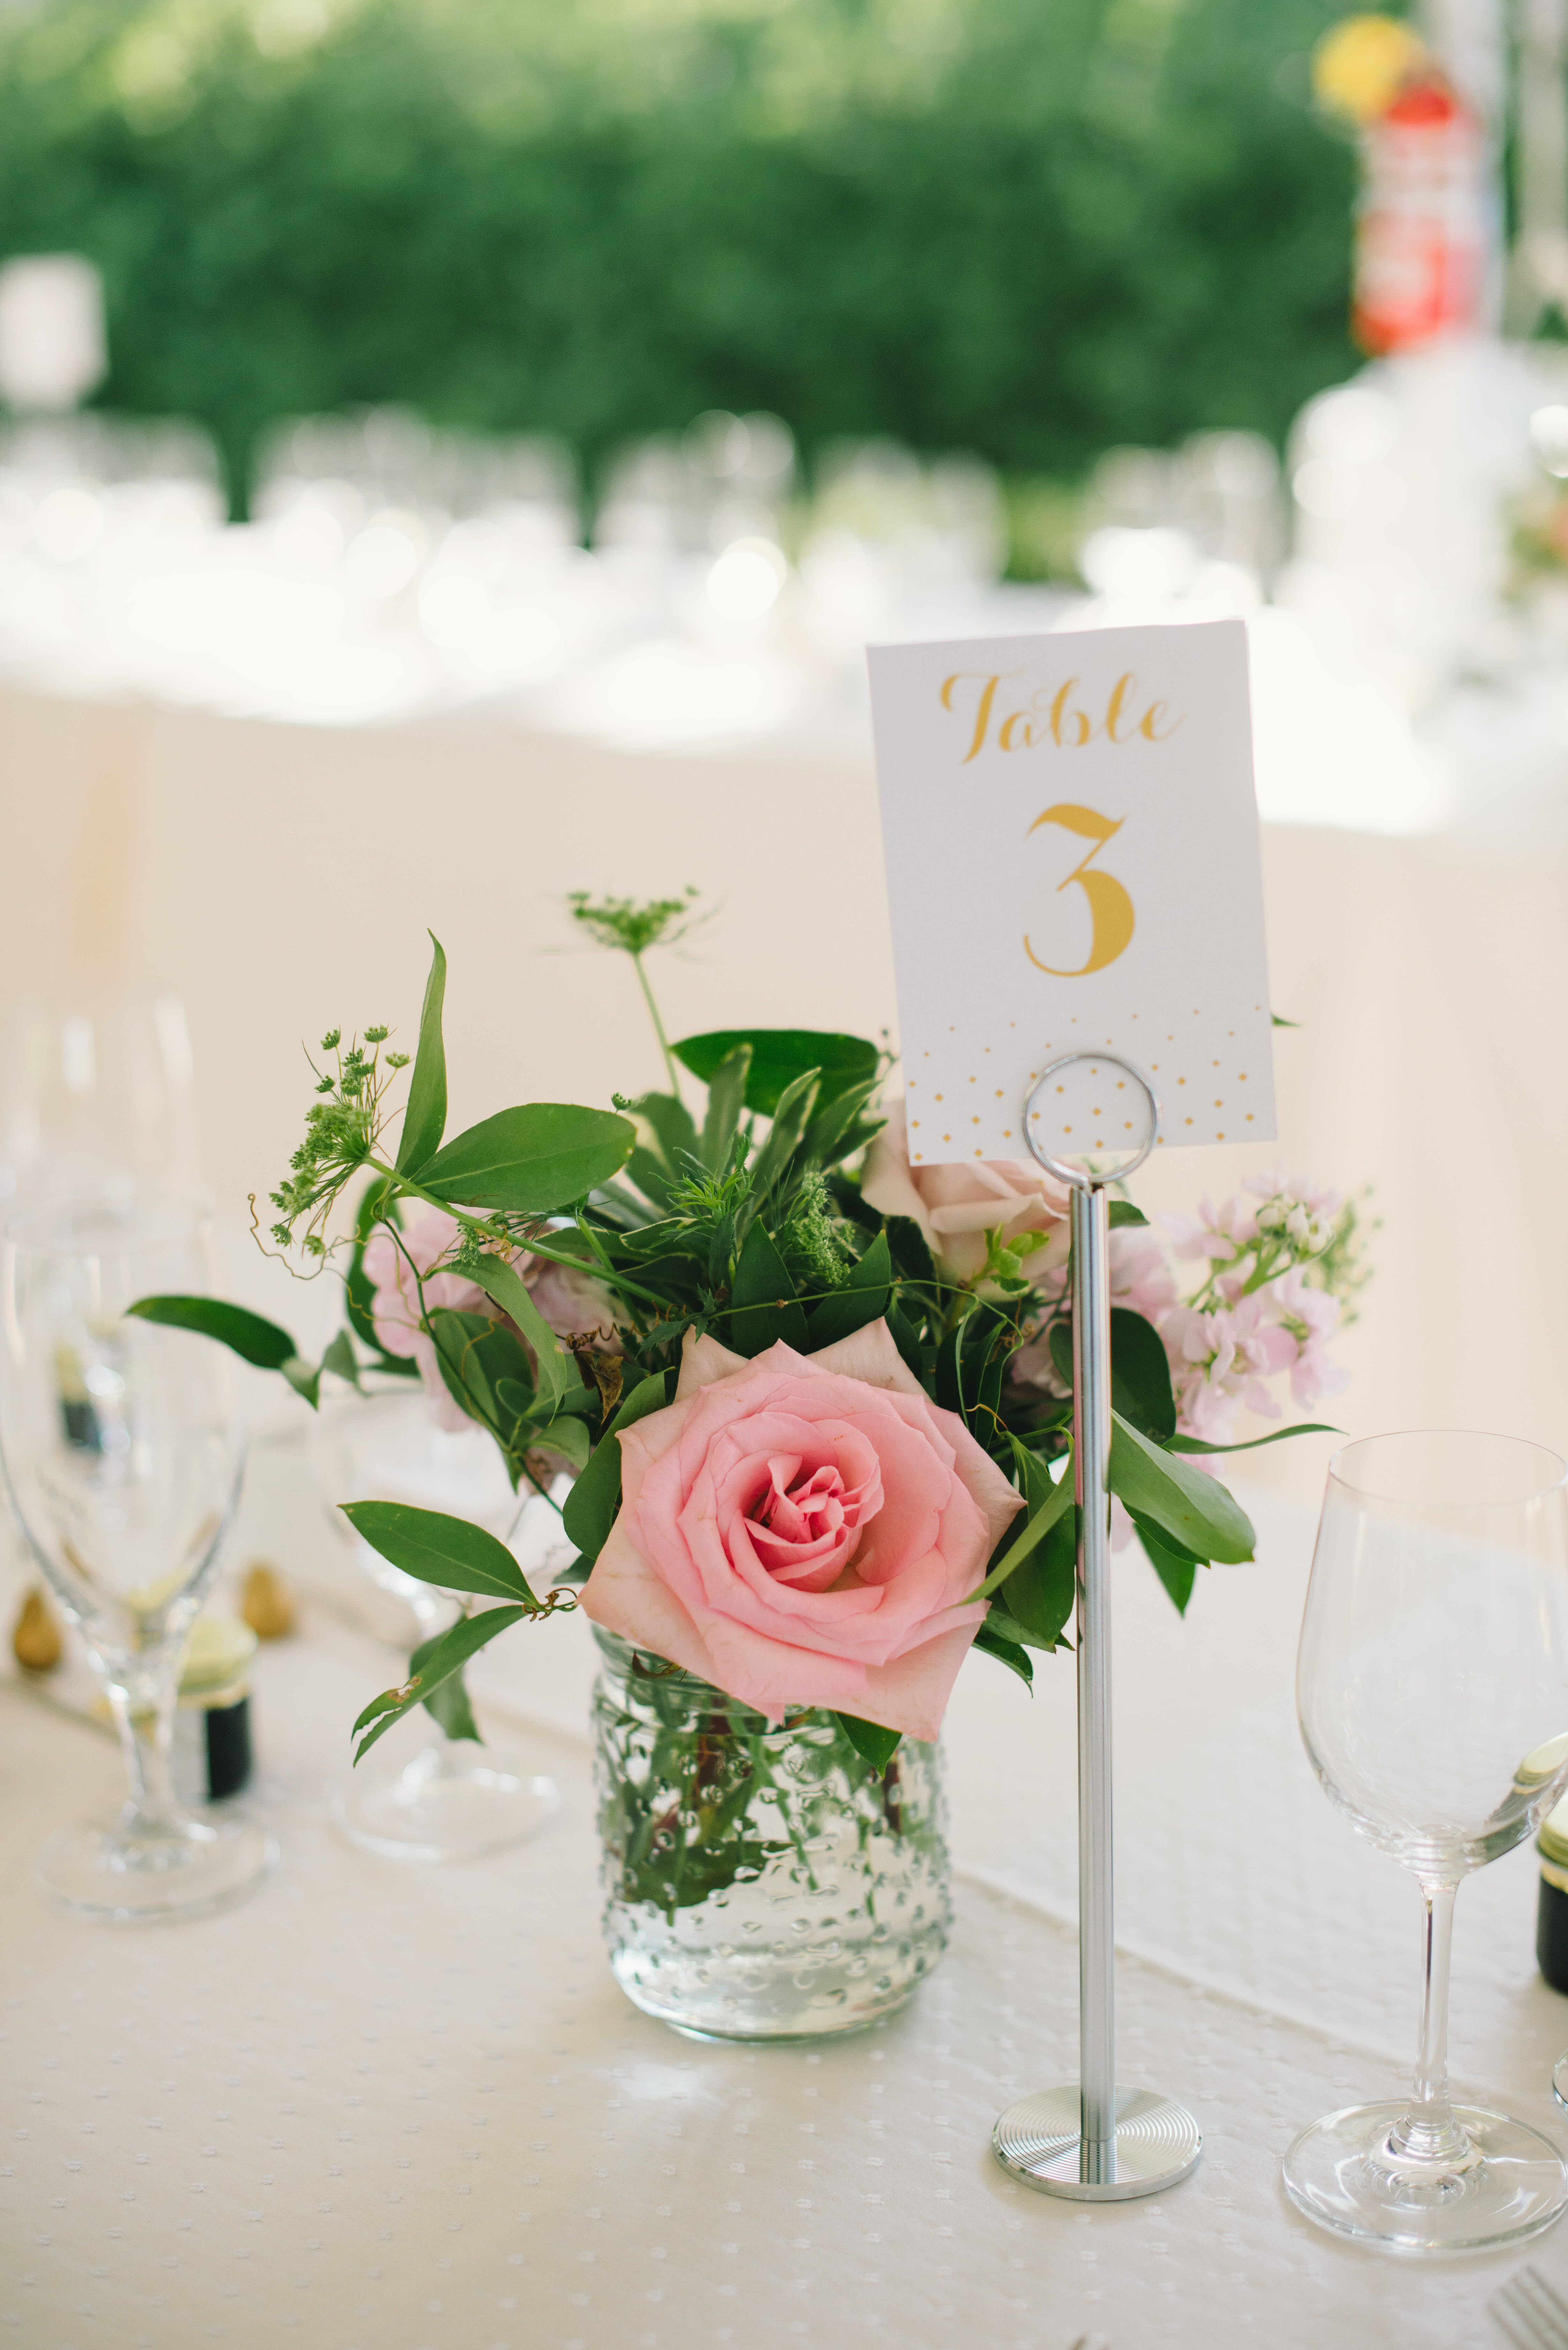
[
  {"x": 448, "y": 1804},
  {"x": 100, "y": 1871},
  {"x": 1559, "y": 2079},
  {"x": 1341, "y": 2174}
]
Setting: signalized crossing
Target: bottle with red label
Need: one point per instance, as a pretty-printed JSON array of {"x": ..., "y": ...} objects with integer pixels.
[{"x": 1421, "y": 230}]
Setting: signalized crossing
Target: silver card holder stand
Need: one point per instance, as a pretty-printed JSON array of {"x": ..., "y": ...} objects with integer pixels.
[{"x": 1094, "y": 2141}]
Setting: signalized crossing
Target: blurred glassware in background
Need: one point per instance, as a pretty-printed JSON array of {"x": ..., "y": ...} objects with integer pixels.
[
  {"x": 891, "y": 542},
  {"x": 124, "y": 1445},
  {"x": 1202, "y": 523},
  {"x": 101, "y": 1093},
  {"x": 725, "y": 478},
  {"x": 454, "y": 1798}
]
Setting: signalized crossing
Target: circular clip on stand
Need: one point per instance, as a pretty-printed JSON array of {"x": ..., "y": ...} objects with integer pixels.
[{"x": 1094, "y": 2141}]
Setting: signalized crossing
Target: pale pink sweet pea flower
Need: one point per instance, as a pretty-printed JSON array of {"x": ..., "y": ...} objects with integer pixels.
[
  {"x": 955, "y": 1207},
  {"x": 804, "y": 1530},
  {"x": 572, "y": 1304},
  {"x": 1141, "y": 1279},
  {"x": 1212, "y": 1233},
  {"x": 395, "y": 1307},
  {"x": 1311, "y": 1317}
]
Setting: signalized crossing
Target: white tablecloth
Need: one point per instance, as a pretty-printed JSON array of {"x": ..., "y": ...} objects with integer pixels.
[{"x": 382, "y": 2108}]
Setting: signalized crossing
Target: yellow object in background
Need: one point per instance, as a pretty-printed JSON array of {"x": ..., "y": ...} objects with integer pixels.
[
  {"x": 268, "y": 1603},
  {"x": 1359, "y": 67},
  {"x": 36, "y": 1639}
]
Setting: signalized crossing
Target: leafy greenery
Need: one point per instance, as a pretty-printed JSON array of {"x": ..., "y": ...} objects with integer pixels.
[
  {"x": 1033, "y": 231},
  {"x": 748, "y": 1226}
]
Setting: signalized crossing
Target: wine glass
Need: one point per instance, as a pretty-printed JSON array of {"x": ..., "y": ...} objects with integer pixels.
[
  {"x": 456, "y": 1798},
  {"x": 1432, "y": 1687},
  {"x": 123, "y": 1444}
]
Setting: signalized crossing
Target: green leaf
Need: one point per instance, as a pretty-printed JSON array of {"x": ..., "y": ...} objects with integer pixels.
[
  {"x": 726, "y": 1099},
  {"x": 1181, "y": 1503},
  {"x": 672, "y": 1127},
  {"x": 791, "y": 1119},
  {"x": 443, "y": 1657},
  {"x": 247, "y": 1334},
  {"x": 565, "y": 1434},
  {"x": 837, "y": 1132},
  {"x": 1042, "y": 1590},
  {"x": 424, "y": 1119},
  {"x": 861, "y": 1301},
  {"x": 341, "y": 1360},
  {"x": 907, "y": 1339},
  {"x": 1302, "y": 1428},
  {"x": 878, "y": 1745},
  {"x": 1140, "y": 1371},
  {"x": 305, "y": 1378},
  {"x": 555, "y": 1364},
  {"x": 762, "y": 1305},
  {"x": 244, "y": 1333},
  {"x": 473, "y": 1352},
  {"x": 534, "y": 1159},
  {"x": 1011, "y": 1653},
  {"x": 1284, "y": 1024},
  {"x": 448, "y": 1552},
  {"x": 1122, "y": 1211},
  {"x": 780, "y": 1057},
  {"x": 1047, "y": 1508},
  {"x": 911, "y": 1255},
  {"x": 1175, "y": 1566},
  {"x": 651, "y": 1176},
  {"x": 1140, "y": 1375},
  {"x": 448, "y": 1703},
  {"x": 594, "y": 1501}
]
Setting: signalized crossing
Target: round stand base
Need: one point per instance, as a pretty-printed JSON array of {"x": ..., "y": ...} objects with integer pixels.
[
  {"x": 455, "y": 1802},
  {"x": 1158, "y": 2143},
  {"x": 99, "y": 1870},
  {"x": 1343, "y": 2173}
]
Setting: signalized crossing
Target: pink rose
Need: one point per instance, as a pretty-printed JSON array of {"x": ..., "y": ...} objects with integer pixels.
[
  {"x": 955, "y": 1207},
  {"x": 804, "y": 1531},
  {"x": 571, "y": 1303}
]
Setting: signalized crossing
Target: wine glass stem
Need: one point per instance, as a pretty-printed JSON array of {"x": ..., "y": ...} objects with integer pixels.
[
  {"x": 1428, "y": 2132},
  {"x": 143, "y": 1715}
]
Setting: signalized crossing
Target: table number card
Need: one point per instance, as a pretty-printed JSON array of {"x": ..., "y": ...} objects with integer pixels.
[{"x": 1071, "y": 836}]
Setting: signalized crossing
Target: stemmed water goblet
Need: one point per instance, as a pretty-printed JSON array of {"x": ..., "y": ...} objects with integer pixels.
[
  {"x": 1433, "y": 1692},
  {"x": 124, "y": 1446},
  {"x": 454, "y": 1798}
]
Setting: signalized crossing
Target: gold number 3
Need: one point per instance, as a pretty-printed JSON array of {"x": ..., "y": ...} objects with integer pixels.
[{"x": 1110, "y": 908}]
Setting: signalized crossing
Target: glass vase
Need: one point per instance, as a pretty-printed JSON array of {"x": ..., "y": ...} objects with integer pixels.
[{"x": 760, "y": 1883}]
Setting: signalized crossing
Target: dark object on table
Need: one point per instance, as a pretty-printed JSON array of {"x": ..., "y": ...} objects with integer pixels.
[
  {"x": 210, "y": 1747},
  {"x": 1552, "y": 1918}
]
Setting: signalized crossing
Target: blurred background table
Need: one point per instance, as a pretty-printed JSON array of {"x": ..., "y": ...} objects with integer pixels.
[
  {"x": 281, "y": 879},
  {"x": 379, "y": 2105}
]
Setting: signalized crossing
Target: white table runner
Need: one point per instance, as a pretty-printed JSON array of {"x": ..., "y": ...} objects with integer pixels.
[{"x": 381, "y": 2107}]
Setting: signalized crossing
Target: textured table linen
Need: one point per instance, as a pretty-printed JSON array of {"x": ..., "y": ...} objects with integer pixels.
[{"x": 385, "y": 2107}]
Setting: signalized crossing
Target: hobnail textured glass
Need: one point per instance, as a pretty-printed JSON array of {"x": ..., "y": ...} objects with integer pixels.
[{"x": 760, "y": 1883}]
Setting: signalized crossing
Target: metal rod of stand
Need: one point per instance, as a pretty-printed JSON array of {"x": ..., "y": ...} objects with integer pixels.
[
  {"x": 1089, "y": 2140},
  {"x": 1091, "y": 1492}
]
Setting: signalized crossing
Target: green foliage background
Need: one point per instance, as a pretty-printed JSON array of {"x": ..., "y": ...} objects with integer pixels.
[{"x": 1029, "y": 227}]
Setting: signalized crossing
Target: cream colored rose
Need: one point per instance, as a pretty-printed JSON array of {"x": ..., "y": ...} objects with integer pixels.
[{"x": 955, "y": 1207}]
